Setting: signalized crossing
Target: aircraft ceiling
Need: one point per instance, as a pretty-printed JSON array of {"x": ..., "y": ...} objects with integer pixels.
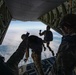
[
  {"x": 31, "y": 10},
  {"x": 49, "y": 12}
]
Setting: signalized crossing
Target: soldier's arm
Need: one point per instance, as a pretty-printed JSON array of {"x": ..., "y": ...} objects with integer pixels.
[
  {"x": 41, "y": 33},
  {"x": 14, "y": 60}
]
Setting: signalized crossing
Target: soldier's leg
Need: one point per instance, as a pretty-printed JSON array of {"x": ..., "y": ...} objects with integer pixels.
[
  {"x": 44, "y": 47},
  {"x": 37, "y": 61},
  {"x": 26, "y": 55},
  {"x": 50, "y": 48}
]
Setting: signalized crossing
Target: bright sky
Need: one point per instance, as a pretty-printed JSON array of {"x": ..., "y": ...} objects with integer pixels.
[
  {"x": 26, "y": 25},
  {"x": 13, "y": 38}
]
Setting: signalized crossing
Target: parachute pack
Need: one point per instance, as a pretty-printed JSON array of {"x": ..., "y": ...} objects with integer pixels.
[{"x": 48, "y": 36}]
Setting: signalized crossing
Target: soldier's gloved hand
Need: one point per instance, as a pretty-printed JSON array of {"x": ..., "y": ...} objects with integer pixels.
[{"x": 40, "y": 31}]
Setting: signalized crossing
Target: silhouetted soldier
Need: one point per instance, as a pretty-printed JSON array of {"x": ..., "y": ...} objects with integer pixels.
[
  {"x": 66, "y": 56},
  {"x": 48, "y": 36},
  {"x": 35, "y": 43}
]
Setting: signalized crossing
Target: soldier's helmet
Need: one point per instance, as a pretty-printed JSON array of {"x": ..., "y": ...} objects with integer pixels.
[
  {"x": 68, "y": 20},
  {"x": 48, "y": 27},
  {"x": 23, "y": 36}
]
